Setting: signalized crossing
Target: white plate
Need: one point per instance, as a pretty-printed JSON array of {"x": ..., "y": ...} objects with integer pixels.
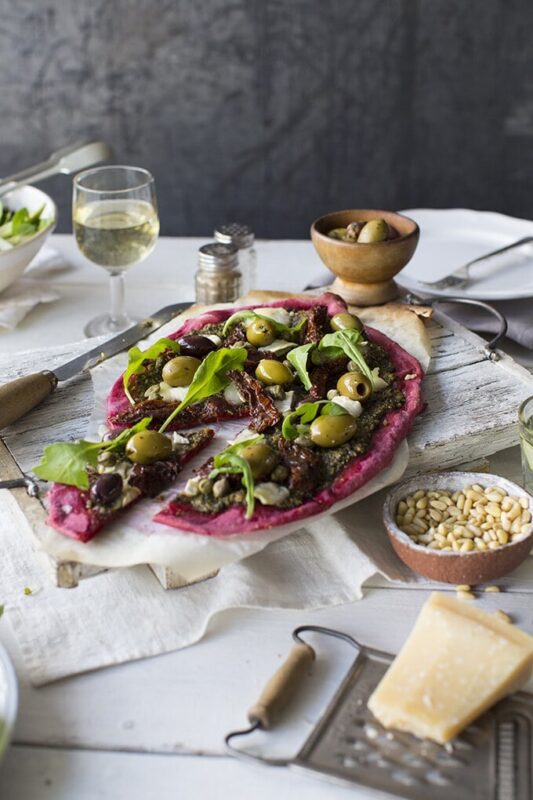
[{"x": 449, "y": 238}]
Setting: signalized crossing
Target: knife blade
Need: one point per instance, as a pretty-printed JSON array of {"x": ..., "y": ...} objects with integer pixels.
[{"x": 23, "y": 394}]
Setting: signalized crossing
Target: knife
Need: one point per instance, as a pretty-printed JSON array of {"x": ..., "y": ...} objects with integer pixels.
[{"x": 21, "y": 395}]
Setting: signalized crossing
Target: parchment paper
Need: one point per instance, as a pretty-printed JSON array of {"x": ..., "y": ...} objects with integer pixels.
[{"x": 135, "y": 539}]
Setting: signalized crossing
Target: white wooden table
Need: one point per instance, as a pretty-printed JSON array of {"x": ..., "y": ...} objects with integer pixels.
[{"x": 155, "y": 727}]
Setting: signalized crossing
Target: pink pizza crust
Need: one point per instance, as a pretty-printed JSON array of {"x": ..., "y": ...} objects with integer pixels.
[
  {"x": 117, "y": 401},
  {"x": 395, "y": 427},
  {"x": 67, "y": 505}
]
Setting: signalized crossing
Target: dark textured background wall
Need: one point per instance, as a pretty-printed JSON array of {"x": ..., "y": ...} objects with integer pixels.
[{"x": 274, "y": 111}]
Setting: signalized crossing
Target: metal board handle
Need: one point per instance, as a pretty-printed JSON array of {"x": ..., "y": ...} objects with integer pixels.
[{"x": 491, "y": 346}]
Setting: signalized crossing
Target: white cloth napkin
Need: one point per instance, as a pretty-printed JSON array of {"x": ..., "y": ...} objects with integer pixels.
[
  {"x": 26, "y": 293},
  {"x": 124, "y": 615}
]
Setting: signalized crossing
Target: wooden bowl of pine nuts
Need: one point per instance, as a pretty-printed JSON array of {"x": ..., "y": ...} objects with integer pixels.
[{"x": 460, "y": 527}]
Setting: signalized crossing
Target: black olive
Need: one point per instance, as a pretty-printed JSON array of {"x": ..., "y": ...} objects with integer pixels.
[
  {"x": 106, "y": 489},
  {"x": 196, "y": 346}
]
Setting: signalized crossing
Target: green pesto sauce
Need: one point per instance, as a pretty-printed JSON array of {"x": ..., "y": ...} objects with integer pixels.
[{"x": 334, "y": 460}]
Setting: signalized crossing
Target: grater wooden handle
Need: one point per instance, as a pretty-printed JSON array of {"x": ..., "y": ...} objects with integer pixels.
[
  {"x": 21, "y": 395},
  {"x": 281, "y": 687}
]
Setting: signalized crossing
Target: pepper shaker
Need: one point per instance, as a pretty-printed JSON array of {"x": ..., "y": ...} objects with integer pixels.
[
  {"x": 218, "y": 279},
  {"x": 242, "y": 237}
]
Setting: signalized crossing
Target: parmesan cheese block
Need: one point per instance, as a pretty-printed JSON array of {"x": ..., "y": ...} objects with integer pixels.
[{"x": 457, "y": 662}]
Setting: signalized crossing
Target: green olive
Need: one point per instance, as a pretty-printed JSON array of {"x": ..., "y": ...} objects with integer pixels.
[
  {"x": 180, "y": 371},
  {"x": 332, "y": 431},
  {"x": 337, "y": 233},
  {"x": 261, "y": 458},
  {"x": 147, "y": 446},
  {"x": 260, "y": 332},
  {"x": 354, "y": 385},
  {"x": 273, "y": 372},
  {"x": 375, "y": 230},
  {"x": 340, "y": 322}
]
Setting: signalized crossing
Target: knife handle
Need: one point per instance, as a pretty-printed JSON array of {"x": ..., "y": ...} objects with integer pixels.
[{"x": 21, "y": 395}]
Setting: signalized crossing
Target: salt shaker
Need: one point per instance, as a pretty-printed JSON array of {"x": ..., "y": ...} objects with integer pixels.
[
  {"x": 218, "y": 279},
  {"x": 242, "y": 237}
]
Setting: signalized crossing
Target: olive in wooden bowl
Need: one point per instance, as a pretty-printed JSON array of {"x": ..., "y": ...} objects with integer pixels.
[
  {"x": 365, "y": 257},
  {"x": 460, "y": 527}
]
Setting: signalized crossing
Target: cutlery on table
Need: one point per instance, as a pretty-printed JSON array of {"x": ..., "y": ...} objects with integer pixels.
[
  {"x": 65, "y": 161},
  {"x": 460, "y": 278},
  {"x": 23, "y": 394}
]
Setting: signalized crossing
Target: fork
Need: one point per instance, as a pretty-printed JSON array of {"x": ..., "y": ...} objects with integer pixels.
[{"x": 461, "y": 277}]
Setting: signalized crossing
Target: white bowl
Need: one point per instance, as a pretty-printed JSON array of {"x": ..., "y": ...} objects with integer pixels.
[
  {"x": 13, "y": 262},
  {"x": 8, "y": 700}
]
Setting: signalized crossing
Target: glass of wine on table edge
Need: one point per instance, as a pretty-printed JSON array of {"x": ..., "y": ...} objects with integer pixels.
[{"x": 116, "y": 225}]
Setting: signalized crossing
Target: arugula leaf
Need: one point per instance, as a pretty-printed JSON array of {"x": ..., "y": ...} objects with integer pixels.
[
  {"x": 67, "y": 462},
  {"x": 348, "y": 341},
  {"x": 210, "y": 377},
  {"x": 36, "y": 216},
  {"x": 18, "y": 226},
  {"x": 229, "y": 462},
  {"x": 137, "y": 357},
  {"x": 298, "y": 358}
]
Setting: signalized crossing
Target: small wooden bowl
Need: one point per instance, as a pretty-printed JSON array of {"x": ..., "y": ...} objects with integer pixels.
[
  {"x": 473, "y": 567},
  {"x": 365, "y": 271}
]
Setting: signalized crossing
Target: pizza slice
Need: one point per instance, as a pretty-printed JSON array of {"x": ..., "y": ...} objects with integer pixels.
[
  {"x": 163, "y": 379},
  {"x": 358, "y": 395},
  {"x": 96, "y": 481}
]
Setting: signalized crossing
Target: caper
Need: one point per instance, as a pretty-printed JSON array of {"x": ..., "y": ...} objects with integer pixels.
[
  {"x": 354, "y": 385},
  {"x": 340, "y": 322},
  {"x": 337, "y": 233},
  {"x": 332, "y": 431},
  {"x": 196, "y": 346},
  {"x": 273, "y": 372},
  {"x": 180, "y": 371},
  {"x": 375, "y": 230},
  {"x": 260, "y": 332},
  {"x": 261, "y": 458},
  {"x": 148, "y": 446}
]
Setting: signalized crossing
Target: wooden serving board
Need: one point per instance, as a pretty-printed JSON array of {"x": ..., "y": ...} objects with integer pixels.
[{"x": 471, "y": 413}]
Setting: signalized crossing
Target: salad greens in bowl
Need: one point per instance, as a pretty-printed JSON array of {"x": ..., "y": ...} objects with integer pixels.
[
  {"x": 8, "y": 700},
  {"x": 27, "y": 218}
]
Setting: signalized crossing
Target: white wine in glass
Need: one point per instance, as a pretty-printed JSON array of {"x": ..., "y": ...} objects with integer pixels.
[{"x": 116, "y": 225}]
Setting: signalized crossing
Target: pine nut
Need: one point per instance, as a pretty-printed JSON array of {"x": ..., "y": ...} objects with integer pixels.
[
  {"x": 490, "y": 589},
  {"x": 503, "y": 616}
]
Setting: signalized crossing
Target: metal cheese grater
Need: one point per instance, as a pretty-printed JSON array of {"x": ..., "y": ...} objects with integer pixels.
[{"x": 491, "y": 760}]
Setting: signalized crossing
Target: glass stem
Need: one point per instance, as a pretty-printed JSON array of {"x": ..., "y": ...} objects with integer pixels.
[{"x": 119, "y": 317}]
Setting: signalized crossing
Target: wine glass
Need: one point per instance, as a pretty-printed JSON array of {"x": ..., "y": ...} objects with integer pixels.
[{"x": 116, "y": 225}]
